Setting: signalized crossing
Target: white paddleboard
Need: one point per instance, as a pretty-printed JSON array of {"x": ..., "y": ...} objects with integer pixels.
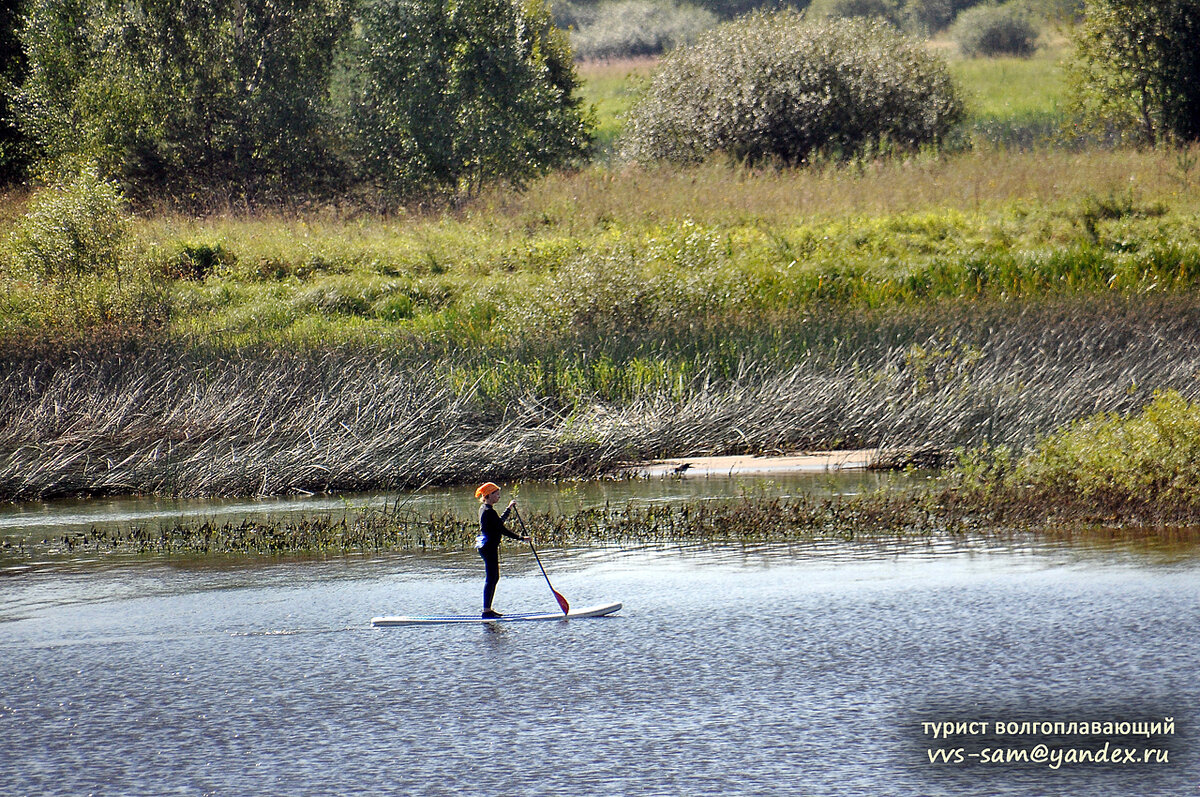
[{"x": 590, "y": 611}]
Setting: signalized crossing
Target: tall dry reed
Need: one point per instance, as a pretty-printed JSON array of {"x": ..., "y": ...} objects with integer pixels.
[{"x": 195, "y": 424}]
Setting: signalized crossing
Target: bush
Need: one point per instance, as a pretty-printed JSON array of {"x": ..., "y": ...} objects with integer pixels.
[
  {"x": 196, "y": 261},
  {"x": 72, "y": 230},
  {"x": 995, "y": 30},
  {"x": 1137, "y": 67},
  {"x": 888, "y": 10},
  {"x": 634, "y": 27},
  {"x": 775, "y": 87},
  {"x": 1153, "y": 455}
]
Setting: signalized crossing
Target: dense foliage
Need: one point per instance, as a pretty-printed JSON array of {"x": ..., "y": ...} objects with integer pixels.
[
  {"x": 991, "y": 30},
  {"x": 622, "y": 28},
  {"x": 449, "y": 96},
  {"x": 1137, "y": 67},
  {"x": 776, "y": 87},
  {"x": 207, "y": 102},
  {"x": 183, "y": 97},
  {"x": 13, "y": 153}
]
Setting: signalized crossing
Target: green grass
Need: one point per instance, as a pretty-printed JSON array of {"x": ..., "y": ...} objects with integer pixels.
[
  {"x": 1145, "y": 461},
  {"x": 609, "y": 87},
  {"x": 1010, "y": 101},
  {"x": 643, "y": 253},
  {"x": 1013, "y": 88}
]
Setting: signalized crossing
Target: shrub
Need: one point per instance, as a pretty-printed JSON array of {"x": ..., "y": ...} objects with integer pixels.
[
  {"x": 73, "y": 229},
  {"x": 1146, "y": 456},
  {"x": 888, "y": 10},
  {"x": 635, "y": 27},
  {"x": 1137, "y": 67},
  {"x": 994, "y": 30},
  {"x": 775, "y": 87},
  {"x": 197, "y": 260}
]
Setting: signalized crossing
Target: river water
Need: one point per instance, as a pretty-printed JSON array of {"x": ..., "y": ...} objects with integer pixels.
[{"x": 804, "y": 670}]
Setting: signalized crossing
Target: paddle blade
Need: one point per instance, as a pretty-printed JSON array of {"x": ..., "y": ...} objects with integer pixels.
[{"x": 562, "y": 602}]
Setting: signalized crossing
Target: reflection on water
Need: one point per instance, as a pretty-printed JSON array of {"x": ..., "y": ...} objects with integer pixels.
[
  {"x": 803, "y": 668},
  {"x": 36, "y": 519},
  {"x": 794, "y": 670}
]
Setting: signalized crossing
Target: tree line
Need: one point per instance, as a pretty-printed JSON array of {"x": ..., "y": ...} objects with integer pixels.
[
  {"x": 202, "y": 100},
  {"x": 383, "y": 102}
]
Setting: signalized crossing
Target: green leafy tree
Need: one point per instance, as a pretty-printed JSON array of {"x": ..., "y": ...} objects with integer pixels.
[
  {"x": 445, "y": 95},
  {"x": 186, "y": 96},
  {"x": 1137, "y": 67},
  {"x": 13, "y": 152}
]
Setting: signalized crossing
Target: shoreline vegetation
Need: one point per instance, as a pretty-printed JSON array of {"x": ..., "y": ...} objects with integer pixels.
[
  {"x": 1107, "y": 479},
  {"x": 570, "y": 330},
  {"x": 932, "y": 515},
  {"x": 968, "y": 304}
]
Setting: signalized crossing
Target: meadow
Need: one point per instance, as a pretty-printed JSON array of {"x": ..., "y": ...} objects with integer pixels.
[{"x": 927, "y": 302}]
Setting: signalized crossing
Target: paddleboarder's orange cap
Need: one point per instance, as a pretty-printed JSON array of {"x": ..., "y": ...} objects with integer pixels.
[{"x": 487, "y": 488}]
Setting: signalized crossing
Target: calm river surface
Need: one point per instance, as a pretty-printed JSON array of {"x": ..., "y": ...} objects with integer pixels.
[{"x": 804, "y": 670}]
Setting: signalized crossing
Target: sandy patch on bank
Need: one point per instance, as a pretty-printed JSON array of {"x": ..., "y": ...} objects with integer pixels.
[{"x": 859, "y": 459}]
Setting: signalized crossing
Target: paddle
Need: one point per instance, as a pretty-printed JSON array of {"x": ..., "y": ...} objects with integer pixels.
[{"x": 562, "y": 602}]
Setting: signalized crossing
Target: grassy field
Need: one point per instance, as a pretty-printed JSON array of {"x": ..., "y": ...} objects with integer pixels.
[
  {"x": 928, "y": 302},
  {"x": 1010, "y": 101}
]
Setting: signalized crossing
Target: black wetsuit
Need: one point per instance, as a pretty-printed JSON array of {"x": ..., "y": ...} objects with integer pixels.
[{"x": 491, "y": 529}]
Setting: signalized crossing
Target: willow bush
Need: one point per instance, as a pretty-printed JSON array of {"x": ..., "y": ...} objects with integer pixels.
[
  {"x": 74, "y": 228},
  {"x": 775, "y": 87},
  {"x": 991, "y": 30},
  {"x": 629, "y": 28}
]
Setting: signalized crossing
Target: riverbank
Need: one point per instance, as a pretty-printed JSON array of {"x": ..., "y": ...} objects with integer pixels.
[
  {"x": 938, "y": 513},
  {"x": 691, "y": 467},
  {"x": 189, "y": 422}
]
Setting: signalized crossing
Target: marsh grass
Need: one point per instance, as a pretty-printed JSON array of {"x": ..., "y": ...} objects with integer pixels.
[
  {"x": 194, "y": 423},
  {"x": 930, "y": 515},
  {"x": 872, "y": 517}
]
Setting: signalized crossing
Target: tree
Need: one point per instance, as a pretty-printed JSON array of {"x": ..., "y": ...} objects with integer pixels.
[
  {"x": 445, "y": 95},
  {"x": 185, "y": 97},
  {"x": 1137, "y": 67},
  {"x": 13, "y": 152}
]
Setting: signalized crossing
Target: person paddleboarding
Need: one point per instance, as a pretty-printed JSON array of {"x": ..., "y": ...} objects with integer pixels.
[{"x": 491, "y": 529}]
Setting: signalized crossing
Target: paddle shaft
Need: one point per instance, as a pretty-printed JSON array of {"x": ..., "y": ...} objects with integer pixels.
[{"x": 562, "y": 602}]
